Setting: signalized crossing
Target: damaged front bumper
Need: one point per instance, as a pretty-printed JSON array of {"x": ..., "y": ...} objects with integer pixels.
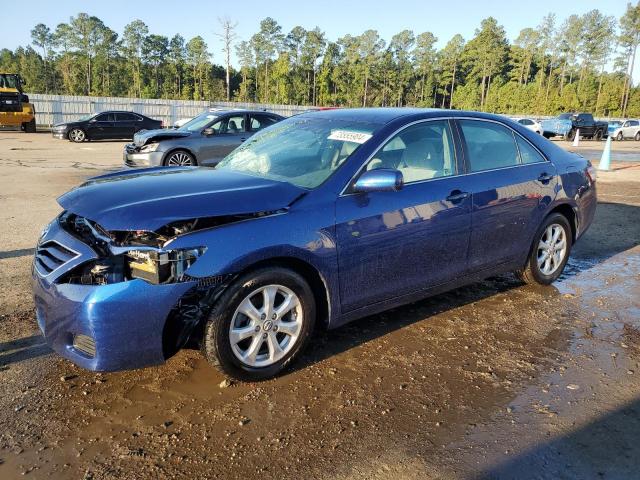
[
  {"x": 134, "y": 158},
  {"x": 100, "y": 327}
]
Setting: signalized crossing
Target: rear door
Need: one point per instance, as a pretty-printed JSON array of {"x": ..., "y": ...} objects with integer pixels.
[
  {"x": 125, "y": 125},
  {"x": 395, "y": 243},
  {"x": 511, "y": 183},
  {"x": 630, "y": 128}
]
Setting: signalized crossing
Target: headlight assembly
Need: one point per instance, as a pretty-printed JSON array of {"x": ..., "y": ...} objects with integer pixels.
[
  {"x": 149, "y": 147},
  {"x": 158, "y": 267}
]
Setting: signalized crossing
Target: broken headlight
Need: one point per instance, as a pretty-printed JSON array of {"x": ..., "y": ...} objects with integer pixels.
[
  {"x": 149, "y": 147},
  {"x": 158, "y": 267}
]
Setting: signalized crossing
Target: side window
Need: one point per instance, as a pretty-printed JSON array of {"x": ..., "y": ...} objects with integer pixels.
[
  {"x": 233, "y": 124},
  {"x": 258, "y": 122},
  {"x": 633, "y": 123},
  {"x": 420, "y": 152},
  {"x": 124, "y": 117},
  {"x": 105, "y": 117},
  {"x": 525, "y": 121},
  {"x": 489, "y": 145},
  {"x": 528, "y": 154}
]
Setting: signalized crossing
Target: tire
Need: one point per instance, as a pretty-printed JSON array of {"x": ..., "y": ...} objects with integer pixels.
[
  {"x": 571, "y": 134},
  {"x": 180, "y": 158},
  {"x": 217, "y": 344},
  {"x": 637, "y": 137},
  {"x": 533, "y": 272},
  {"x": 619, "y": 137},
  {"x": 77, "y": 135},
  {"x": 598, "y": 136},
  {"x": 30, "y": 127}
]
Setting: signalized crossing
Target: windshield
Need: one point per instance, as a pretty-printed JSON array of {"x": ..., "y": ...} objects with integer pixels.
[
  {"x": 614, "y": 124},
  {"x": 84, "y": 118},
  {"x": 198, "y": 123},
  {"x": 565, "y": 116},
  {"x": 9, "y": 81},
  {"x": 301, "y": 151}
]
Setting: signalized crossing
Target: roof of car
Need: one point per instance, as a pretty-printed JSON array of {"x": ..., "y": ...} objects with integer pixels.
[
  {"x": 223, "y": 111},
  {"x": 382, "y": 115}
]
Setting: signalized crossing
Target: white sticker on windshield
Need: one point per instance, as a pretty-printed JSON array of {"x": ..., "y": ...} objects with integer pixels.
[{"x": 348, "y": 136}]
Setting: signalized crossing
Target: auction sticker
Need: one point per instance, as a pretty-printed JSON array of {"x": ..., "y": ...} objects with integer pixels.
[{"x": 349, "y": 136}]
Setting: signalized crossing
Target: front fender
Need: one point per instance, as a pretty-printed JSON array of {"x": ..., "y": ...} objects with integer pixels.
[{"x": 306, "y": 235}]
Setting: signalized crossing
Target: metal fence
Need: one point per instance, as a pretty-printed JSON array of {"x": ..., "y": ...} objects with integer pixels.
[{"x": 52, "y": 109}]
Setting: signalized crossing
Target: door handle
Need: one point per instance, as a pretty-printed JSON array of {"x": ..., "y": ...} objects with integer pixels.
[
  {"x": 545, "y": 178},
  {"x": 457, "y": 196}
]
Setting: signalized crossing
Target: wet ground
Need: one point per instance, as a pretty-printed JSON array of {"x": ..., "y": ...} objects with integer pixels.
[{"x": 494, "y": 380}]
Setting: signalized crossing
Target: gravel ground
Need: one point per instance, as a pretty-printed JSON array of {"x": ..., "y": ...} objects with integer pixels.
[{"x": 494, "y": 380}]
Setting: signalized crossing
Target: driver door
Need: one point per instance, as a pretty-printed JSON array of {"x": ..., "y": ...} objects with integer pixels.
[
  {"x": 393, "y": 243},
  {"x": 101, "y": 126},
  {"x": 228, "y": 134}
]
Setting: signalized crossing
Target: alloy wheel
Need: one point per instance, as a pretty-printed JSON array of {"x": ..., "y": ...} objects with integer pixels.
[
  {"x": 266, "y": 326},
  {"x": 180, "y": 159},
  {"x": 552, "y": 249},
  {"x": 77, "y": 135}
]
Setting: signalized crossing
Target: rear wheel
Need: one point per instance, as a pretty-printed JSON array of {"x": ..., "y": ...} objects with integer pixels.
[
  {"x": 549, "y": 252},
  {"x": 180, "y": 158},
  {"x": 260, "y": 324},
  {"x": 571, "y": 134},
  {"x": 29, "y": 127},
  {"x": 77, "y": 135}
]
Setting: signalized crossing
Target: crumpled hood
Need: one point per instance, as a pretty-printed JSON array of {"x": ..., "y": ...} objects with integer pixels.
[
  {"x": 147, "y": 136},
  {"x": 151, "y": 198}
]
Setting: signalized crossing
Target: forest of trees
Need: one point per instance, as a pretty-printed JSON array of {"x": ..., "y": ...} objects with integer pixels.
[{"x": 582, "y": 63}]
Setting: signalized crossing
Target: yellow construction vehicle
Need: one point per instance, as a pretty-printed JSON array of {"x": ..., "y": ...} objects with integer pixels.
[{"x": 15, "y": 109}]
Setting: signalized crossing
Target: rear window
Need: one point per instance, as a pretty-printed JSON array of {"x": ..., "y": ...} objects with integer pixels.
[{"x": 489, "y": 145}]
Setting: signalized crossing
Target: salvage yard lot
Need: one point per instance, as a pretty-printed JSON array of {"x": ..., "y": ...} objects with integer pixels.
[{"x": 443, "y": 388}]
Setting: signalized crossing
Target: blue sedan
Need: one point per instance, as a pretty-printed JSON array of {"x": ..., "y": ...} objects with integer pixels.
[{"x": 323, "y": 218}]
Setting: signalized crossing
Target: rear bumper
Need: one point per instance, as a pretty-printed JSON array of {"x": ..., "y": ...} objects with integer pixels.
[
  {"x": 125, "y": 321},
  {"x": 135, "y": 159}
]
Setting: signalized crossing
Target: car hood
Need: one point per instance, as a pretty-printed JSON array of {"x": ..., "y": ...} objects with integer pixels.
[
  {"x": 148, "y": 136},
  {"x": 151, "y": 198},
  {"x": 66, "y": 125}
]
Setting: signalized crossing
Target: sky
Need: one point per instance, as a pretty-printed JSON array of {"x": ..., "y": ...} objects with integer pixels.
[{"x": 335, "y": 17}]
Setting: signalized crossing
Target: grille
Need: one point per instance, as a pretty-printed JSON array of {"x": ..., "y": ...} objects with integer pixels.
[
  {"x": 52, "y": 255},
  {"x": 85, "y": 345}
]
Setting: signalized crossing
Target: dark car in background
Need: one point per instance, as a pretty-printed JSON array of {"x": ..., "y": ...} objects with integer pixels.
[
  {"x": 105, "y": 125},
  {"x": 567, "y": 125},
  {"x": 204, "y": 140},
  {"x": 324, "y": 218}
]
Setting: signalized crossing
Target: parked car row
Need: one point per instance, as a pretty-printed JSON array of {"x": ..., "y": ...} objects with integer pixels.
[{"x": 321, "y": 218}]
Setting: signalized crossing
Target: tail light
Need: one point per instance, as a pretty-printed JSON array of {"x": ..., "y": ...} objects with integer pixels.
[{"x": 590, "y": 172}]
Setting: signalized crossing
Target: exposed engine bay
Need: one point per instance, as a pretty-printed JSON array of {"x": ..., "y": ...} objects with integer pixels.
[{"x": 137, "y": 254}]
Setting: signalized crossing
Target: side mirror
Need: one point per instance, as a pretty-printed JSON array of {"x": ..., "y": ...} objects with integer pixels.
[
  {"x": 207, "y": 132},
  {"x": 379, "y": 180}
]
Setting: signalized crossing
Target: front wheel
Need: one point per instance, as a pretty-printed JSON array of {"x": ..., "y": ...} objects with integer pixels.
[
  {"x": 637, "y": 137},
  {"x": 599, "y": 135},
  {"x": 260, "y": 324},
  {"x": 180, "y": 158},
  {"x": 77, "y": 135},
  {"x": 549, "y": 252},
  {"x": 619, "y": 137}
]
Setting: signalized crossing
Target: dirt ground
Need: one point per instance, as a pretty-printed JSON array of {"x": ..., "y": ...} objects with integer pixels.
[{"x": 494, "y": 380}]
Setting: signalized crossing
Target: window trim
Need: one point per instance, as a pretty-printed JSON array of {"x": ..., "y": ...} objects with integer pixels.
[
  {"x": 463, "y": 142},
  {"x": 456, "y": 153}
]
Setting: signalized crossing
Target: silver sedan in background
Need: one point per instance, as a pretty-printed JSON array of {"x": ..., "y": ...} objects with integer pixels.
[{"x": 204, "y": 140}]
